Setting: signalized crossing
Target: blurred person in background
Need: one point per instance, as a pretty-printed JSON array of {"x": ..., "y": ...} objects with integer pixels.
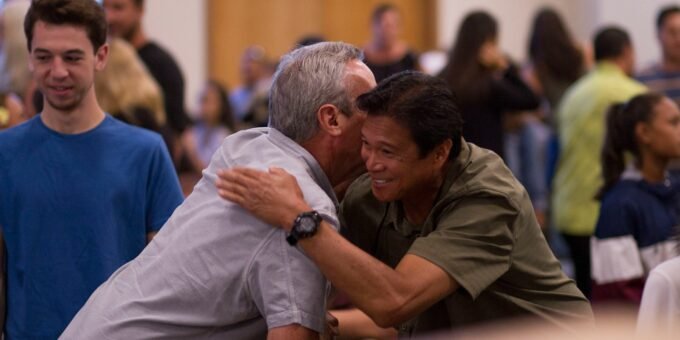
[
  {"x": 485, "y": 82},
  {"x": 663, "y": 76},
  {"x": 250, "y": 100},
  {"x": 11, "y": 111},
  {"x": 581, "y": 130},
  {"x": 555, "y": 62},
  {"x": 214, "y": 122},
  {"x": 124, "y": 18},
  {"x": 640, "y": 199},
  {"x": 386, "y": 53}
]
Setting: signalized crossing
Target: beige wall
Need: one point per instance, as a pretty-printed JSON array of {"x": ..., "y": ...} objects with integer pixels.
[
  {"x": 179, "y": 26},
  {"x": 277, "y": 24}
]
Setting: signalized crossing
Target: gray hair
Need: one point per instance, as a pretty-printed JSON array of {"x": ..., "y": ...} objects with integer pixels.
[{"x": 306, "y": 79}]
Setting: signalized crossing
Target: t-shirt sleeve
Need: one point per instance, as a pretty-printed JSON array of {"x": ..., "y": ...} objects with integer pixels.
[
  {"x": 472, "y": 242},
  {"x": 164, "y": 193},
  {"x": 615, "y": 256},
  {"x": 286, "y": 286}
]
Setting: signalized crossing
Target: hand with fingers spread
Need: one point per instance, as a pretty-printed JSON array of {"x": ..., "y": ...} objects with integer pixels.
[{"x": 273, "y": 196}]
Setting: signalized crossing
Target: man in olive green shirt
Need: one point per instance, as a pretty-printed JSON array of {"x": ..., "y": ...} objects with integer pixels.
[
  {"x": 454, "y": 233},
  {"x": 581, "y": 126}
]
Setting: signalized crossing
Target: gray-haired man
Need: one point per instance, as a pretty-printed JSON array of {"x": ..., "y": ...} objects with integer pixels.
[{"x": 215, "y": 271}]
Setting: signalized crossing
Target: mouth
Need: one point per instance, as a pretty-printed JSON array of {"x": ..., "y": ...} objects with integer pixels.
[
  {"x": 380, "y": 182},
  {"x": 60, "y": 90}
]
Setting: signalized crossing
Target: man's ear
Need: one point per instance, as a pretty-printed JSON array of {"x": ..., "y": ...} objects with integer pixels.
[
  {"x": 101, "y": 57},
  {"x": 442, "y": 151},
  {"x": 328, "y": 117}
]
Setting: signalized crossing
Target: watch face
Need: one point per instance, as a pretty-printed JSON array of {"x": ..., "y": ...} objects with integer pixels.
[{"x": 307, "y": 224}]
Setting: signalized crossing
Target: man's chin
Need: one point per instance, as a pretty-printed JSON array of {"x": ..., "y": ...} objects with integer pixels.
[{"x": 63, "y": 106}]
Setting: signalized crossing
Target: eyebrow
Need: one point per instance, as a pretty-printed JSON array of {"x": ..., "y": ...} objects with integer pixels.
[
  {"x": 381, "y": 142},
  {"x": 72, "y": 51}
]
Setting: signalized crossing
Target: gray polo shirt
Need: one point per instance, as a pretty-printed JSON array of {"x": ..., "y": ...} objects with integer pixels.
[{"x": 214, "y": 271}]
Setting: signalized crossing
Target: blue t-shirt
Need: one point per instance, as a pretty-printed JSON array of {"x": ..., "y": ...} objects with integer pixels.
[{"x": 74, "y": 208}]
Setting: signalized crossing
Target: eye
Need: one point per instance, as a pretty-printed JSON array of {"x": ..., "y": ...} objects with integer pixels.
[
  {"x": 72, "y": 58},
  {"x": 42, "y": 57}
]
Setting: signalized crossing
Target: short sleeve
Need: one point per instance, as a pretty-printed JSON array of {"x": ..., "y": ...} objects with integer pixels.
[
  {"x": 163, "y": 193},
  {"x": 286, "y": 286},
  {"x": 615, "y": 256},
  {"x": 472, "y": 242}
]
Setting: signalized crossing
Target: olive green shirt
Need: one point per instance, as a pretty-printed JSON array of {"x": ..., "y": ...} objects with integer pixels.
[{"x": 482, "y": 231}]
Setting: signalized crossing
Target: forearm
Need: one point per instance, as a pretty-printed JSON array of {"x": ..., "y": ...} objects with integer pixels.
[
  {"x": 354, "y": 324},
  {"x": 371, "y": 285},
  {"x": 294, "y": 331}
]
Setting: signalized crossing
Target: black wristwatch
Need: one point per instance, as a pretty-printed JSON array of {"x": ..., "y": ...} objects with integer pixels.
[{"x": 305, "y": 225}]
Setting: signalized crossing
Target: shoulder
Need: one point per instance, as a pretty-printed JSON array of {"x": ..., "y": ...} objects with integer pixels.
[
  {"x": 359, "y": 198},
  {"x": 650, "y": 72},
  {"x": 485, "y": 174},
  {"x": 258, "y": 148},
  {"x": 20, "y": 136},
  {"x": 127, "y": 134},
  {"x": 621, "y": 196},
  {"x": 153, "y": 53},
  {"x": 669, "y": 270},
  {"x": 618, "y": 209},
  {"x": 17, "y": 132}
]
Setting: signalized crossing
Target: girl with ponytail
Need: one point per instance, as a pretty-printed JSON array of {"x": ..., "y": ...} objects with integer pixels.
[{"x": 640, "y": 198}]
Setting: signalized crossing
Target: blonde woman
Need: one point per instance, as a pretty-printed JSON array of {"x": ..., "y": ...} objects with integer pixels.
[{"x": 126, "y": 90}]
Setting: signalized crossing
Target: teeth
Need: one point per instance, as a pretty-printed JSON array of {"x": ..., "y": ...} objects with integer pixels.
[{"x": 379, "y": 181}]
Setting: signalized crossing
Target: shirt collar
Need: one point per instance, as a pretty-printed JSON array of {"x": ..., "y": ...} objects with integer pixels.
[{"x": 313, "y": 166}]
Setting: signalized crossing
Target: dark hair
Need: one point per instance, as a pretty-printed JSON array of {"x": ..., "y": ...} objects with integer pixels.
[
  {"x": 82, "y": 13},
  {"x": 423, "y": 104},
  {"x": 610, "y": 42},
  {"x": 226, "y": 116},
  {"x": 380, "y": 10},
  {"x": 552, "y": 49},
  {"x": 664, "y": 13},
  {"x": 469, "y": 79},
  {"x": 620, "y": 135},
  {"x": 139, "y": 3}
]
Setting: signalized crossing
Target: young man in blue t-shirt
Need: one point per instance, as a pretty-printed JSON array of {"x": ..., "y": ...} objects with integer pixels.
[{"x": 80, "y": 192}]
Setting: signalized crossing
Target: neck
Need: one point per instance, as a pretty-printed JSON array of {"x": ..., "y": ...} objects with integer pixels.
[
  {"x": 138, "y": 39},
  {"x": 418, "y": 206},
  {"x": 620, "y": 63},
  {"x": 81, "y": 119},
  {"x": 653, "y": 168},
  {"x": 670, "y": 65},
  {"x": 382, "y": 45},
  {"x": 339, "y": 171}
]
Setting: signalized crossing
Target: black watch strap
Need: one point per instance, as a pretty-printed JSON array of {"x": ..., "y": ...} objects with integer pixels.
[{"x": 305, "y": 225}]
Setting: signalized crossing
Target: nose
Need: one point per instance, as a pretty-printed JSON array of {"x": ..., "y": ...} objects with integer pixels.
[
  {"x": 58, "y": 69},
  {"x": 373, "y": 164}
]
